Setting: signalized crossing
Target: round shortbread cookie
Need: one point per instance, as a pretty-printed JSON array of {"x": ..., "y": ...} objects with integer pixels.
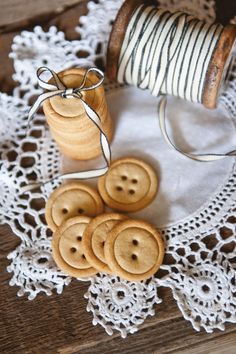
[
  {"x": 69, "y": 108},
  {"x": 94, "y": 239},
  {"x": 75, "y": 133},
  {"x": 69, "y": 200},
  {"x": 134, "y": 250},
  {"x": 129, "y": 185},
  {"x": 67, "y": 248}
]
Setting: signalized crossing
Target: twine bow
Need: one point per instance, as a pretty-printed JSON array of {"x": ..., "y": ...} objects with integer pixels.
[{"x": 59, "y": 89}]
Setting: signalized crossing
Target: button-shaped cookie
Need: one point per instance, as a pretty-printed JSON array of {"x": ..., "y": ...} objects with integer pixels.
[
  {"x": 134, "y": 250},
  {"x": 129, "y": 185},
  {"x": 95, "y": 236},
  {"x": 67, "y": 248},
  {"x": 76, "y": 135},
  {"x": 69, "y": 200}
]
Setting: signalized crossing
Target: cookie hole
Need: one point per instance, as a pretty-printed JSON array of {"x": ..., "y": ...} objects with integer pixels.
[
  {"x": 124, "y": 178},
  {"x": 80, "y": 211},
  {"x": 42, "y": 260},
  {"x": 103, "y": 243},
  {"x": 83, "y": 256},
  {"x": 73, "y": 249},
  {"x": 134, "y": 257},
  {"x": 79, "y": 238},
  {"x": 64, "y": 211},
  {"x": 131, "y": 191},
  {"x": 135, "y": 242},
  {"x": 120, "y": 294},
  {"x": 134, "y": 181},
  {"x": 119, "y": 188}
]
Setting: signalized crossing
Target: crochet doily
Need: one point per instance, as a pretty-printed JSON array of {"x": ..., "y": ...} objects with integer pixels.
[{"x": 200, "y": 249}]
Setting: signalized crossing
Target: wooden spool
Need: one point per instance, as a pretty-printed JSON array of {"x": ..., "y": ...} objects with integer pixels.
[
  {"x": 76, "y": 135},
  {"x": 217, "y": 70}
]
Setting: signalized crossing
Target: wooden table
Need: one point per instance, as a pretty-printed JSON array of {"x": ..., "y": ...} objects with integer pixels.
[{"x": 60, "y": 323}]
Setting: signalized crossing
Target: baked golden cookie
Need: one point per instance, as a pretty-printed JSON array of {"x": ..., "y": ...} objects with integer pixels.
[
  {"x": 134, "y": 250},
  {"x": 67, "y": 248},
  {"x": 129, "y": 185},
  {"x": 69, "y": 200},
  {"x": 94, "y": 239},
  {"x": 76, "y": 135}
]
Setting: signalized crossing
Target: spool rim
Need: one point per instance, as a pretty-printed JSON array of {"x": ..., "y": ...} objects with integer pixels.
[
  {"x": 118, "y": 33},
  {"x": 215, "y": 72}
]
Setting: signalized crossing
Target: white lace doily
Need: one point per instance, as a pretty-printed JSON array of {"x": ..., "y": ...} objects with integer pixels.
[{"x": 200, "y": 248}]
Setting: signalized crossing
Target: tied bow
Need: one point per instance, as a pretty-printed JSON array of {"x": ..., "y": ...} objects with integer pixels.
[{"x": 59, "y": 89}]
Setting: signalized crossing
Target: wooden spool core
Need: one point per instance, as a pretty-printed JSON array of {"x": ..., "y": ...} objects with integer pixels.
[
  {"x": 76, "y": 135},
  {"x": 216, "y": 71}
]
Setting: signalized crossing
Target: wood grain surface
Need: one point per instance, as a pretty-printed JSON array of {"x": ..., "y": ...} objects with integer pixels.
[
  {"x": 60, "y": 323},
  {"x": 18, "y": 14}
]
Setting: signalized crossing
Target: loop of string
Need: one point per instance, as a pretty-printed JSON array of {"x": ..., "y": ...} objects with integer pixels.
[
  {"x": 59, "y": 89},
  {"x": 169, "y": 53}
]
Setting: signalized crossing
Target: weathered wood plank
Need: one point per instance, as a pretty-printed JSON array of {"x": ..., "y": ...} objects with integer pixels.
[
  {"x": 224, "y": 344},
  {"x": 172, "y": 337},
  {"x": 60, "y": 323},
  {"x": 6, "y": 66},
  {"x": 15, "y": 14}
]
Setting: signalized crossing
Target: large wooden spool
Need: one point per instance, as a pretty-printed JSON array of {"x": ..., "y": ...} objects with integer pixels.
[{"x": 217, "y": 70}]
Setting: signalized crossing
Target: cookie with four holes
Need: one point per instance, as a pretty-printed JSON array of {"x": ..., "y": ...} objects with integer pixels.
[
  {"x": 67, "y": 248},
  {"x": 134, "y": 250},
  {"x": 69, "y": 200},
  {"x": 129, "y": 185},
  {"x": 95, "y": 236}
]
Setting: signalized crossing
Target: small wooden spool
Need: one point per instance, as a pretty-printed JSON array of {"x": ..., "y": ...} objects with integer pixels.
[
  {"x": 217, "y": 70},
  {"x": 76, "y": 135}
]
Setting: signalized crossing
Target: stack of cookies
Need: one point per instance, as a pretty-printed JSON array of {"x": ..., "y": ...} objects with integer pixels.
[
  {"x": 86, "y": 240},
  {"x": 76, "y": 135}
]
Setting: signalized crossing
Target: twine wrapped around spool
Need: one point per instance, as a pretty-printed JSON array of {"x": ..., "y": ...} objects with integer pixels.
[
  {"x": 171, "y": 53},
  {"x": 75, "y": 134},
  {"x": 216, "y": 70}
]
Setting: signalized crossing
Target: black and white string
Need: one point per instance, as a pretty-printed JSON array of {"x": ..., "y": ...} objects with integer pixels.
[
  {"x": 57, "y": 88},
  {"x": 169, "y": 53}
]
